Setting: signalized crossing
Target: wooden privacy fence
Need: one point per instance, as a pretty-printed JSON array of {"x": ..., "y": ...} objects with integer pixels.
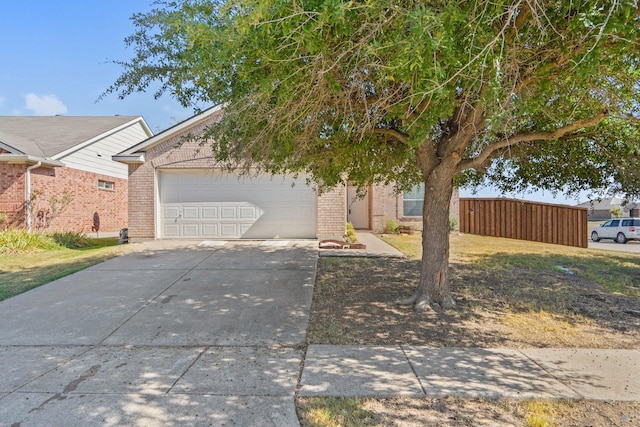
[{"x": 518, "y": 219}]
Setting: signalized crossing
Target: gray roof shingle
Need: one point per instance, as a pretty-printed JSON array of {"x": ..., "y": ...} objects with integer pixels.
[{"x": 46, "y": 136}]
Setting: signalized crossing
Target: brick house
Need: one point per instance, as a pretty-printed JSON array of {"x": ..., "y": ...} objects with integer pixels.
[
  {"x": 56, "y": 172},
  {"x": 177, "y": 190}
]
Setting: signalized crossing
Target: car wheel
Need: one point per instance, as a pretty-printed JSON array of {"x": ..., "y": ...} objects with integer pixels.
[
  {"x": 595, "y": 237},
  {"x": 621, "y": 238}
]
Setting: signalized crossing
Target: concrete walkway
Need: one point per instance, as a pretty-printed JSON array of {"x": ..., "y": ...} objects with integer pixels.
[
  {"x": 375, "y": 247},
  {"x": 204, "y": 333}
]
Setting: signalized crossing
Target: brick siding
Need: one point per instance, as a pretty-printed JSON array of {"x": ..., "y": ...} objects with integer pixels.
[
  {"x": 89, "y": 207},
  {"x": 332, "y": 213},
  {"x": 386, "y": 205},
  {"x": 12, "y": 194}
]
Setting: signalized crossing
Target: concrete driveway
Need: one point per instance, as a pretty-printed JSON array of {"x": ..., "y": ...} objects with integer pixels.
[{"x": 173, "y": 334}]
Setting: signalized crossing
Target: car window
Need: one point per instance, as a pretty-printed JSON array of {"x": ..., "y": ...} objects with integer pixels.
[
  {"x": 606, "y": 224},
  {"x": 613, "y": 223},
  {"x": 627, "y": 222},
  {"x": 636, "y": 222}
]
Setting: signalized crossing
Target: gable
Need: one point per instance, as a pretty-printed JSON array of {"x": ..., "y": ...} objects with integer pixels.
[{"x": 51, "y": 136}]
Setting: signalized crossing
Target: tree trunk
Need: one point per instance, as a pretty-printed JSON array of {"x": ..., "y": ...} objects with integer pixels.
[{"x": 434, "y": 283}]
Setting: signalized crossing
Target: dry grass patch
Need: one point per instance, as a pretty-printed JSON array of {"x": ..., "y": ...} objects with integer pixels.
[
  {"x": 458, "y": 412},
  {"x": 509, "y": 294}
]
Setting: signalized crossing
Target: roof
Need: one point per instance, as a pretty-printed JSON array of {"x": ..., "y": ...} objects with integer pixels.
[
  {"x": 602, "y": 204},
  {"x": 135, "y": 154},
  {"x": 48, "y": 137}
]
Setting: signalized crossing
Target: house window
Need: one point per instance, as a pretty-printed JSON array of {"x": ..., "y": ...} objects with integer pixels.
[
  {"x": 106, "y": 185},
  {"x": 413, "y": 200}
]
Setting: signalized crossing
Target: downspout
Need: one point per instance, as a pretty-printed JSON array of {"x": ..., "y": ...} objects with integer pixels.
[{"x": 28, "y": 198}]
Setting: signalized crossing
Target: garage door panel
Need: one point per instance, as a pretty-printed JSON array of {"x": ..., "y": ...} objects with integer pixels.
[
  {"x": 171, "y": 212},
  {"x": 216, "y": 205},
  {"x": 249, "y": 212},
  {"x": 229, "y": 230},
  {"x": 190, "y": 213},
  {"x": 210, "y": 212},
  {"x": 228, "y": 212},
  {"x": 191, "y": 230},
  {"x": 210, "y": 230},
  {"x": 171, "y": 230}
]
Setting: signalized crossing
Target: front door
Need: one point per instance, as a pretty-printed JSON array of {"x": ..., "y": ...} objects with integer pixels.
[{"x": 357, "y": 209}]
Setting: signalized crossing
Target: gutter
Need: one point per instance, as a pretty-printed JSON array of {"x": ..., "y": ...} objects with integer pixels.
[
  {"x": 20, "y": 159},
  {"x": 28, "y": 190}
]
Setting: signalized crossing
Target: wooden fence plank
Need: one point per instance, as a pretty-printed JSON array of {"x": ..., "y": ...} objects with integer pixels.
[{"x": 517, "y": 219}]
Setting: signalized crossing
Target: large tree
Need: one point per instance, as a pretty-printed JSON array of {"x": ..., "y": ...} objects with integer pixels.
[{"x": 527, "y": 92}]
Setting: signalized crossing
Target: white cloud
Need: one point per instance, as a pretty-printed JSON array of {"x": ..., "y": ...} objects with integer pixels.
[{"x": 45, "y": 105}]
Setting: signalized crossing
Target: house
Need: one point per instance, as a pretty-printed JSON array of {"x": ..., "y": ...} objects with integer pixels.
[
  {"x": 601, "y": 209},
  {"x": 383, "y": 206},
  {"x": 178, "y": 190},
  {"x": 56, "y": 172}
]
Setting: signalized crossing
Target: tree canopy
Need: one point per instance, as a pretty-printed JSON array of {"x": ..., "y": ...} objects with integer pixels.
[
  {"x": 354, "y": 88},
  {"x": 516, "y": 92}
]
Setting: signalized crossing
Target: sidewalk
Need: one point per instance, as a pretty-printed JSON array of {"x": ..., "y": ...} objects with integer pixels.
[{"x": 418, "y": 371}]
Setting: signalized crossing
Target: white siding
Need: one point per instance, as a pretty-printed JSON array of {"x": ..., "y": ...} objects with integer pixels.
[{"x": 96, "y": 157}]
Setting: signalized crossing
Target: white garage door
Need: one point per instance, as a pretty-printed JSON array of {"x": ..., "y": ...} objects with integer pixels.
[{"x": 219, "y": 205}]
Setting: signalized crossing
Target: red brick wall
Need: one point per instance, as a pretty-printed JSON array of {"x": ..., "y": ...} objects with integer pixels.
[
  {"x": 12, "y": 194},
  {"x": 90, "y": 206}
]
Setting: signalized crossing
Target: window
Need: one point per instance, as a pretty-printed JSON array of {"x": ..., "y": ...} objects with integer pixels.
[
  {"x": 412, "y": 201},
  {"x": 612, "y": 223},
  {"x": 106, "y": 185}
]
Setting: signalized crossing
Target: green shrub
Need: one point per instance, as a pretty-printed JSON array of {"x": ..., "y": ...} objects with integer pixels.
[
  {"x": 390, "y": 226},
  {"x": 70, "y": 239},
  {"x": 4, "y": 220},
  {"x": 453, "y": 224},
  {"x": 351, "y": 233},
  {"x": 14, "y": 241},
  {"x": 615, "y": 212}
]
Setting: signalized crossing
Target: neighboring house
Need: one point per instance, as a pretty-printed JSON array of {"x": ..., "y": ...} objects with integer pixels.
[
  {"x": 56, "y": 172},
  {"x": 601, "y": 209},
  {"x": 178, "y": 190}
]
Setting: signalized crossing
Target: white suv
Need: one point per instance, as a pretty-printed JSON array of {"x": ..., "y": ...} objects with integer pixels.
[{"x": 619, "y": 229}]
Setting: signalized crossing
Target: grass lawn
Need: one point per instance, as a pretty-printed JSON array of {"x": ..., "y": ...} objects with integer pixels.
[
  {"x": 23, "y": 271},
  {"x": 619, "y": 272}
]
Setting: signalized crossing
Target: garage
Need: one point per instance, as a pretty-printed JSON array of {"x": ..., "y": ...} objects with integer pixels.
[{"x": 213, "y": 204}]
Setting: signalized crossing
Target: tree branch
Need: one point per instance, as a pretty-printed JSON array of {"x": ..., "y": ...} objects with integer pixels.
[
  {"x": 480, "y": 159},
  {"x": 393, "y": 133}
]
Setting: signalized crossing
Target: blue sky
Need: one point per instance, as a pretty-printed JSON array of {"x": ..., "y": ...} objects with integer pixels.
[{"x": 57, "y": 59}]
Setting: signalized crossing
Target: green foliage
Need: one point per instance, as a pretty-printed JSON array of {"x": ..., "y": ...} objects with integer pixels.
[
  {"x": 70, "y": 239},
  {"x": 14, "y": 240},
  {"x": 453, "y": 223},
  {"x": 4, "y": 220},
  {"x": 17, "y": 240},
  {"x": 542, "y": 96},
  {"x": 390, "y": 226},
  {"x": 616, "y": 212},
  {"x": 351, "y": 233}
]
